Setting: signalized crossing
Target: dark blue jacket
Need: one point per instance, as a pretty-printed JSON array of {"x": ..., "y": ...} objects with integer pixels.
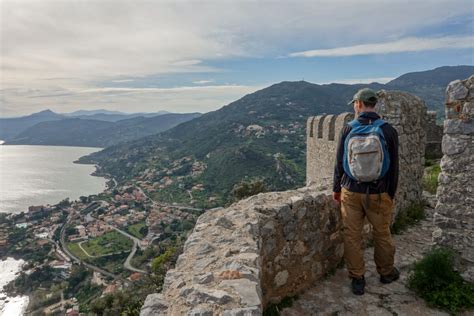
[{"x": 389, "y": 182}]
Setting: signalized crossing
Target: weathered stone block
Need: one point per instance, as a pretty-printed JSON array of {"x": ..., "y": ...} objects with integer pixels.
[
  {"x": 200, "y": 312},
  {"x": 155, "y": 304},
  {"x": 456, "y": 91},
  {"x": 453, "y": 145},
  {"x": 452, "y": 126},
  {"x": 249, "y": 291}
]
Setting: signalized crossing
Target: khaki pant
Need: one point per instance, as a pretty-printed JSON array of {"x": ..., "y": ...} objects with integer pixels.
[{"x": 378, "y": 209}]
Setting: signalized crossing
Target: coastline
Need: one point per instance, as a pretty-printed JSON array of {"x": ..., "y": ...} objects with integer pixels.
[
  {"x": 12, "y": 266},
  {"x": 9, "y": 270}
]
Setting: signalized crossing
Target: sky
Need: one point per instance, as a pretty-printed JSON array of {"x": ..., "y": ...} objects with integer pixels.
[{"x": 197, "y": 56}]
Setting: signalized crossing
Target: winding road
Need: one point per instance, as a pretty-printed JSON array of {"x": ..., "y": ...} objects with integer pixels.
[
  {"x": 136, "y": 243},
  {"x": 77, "y": 260}
]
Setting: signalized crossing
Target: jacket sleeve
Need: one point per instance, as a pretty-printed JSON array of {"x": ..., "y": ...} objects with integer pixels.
[
  {"x": 392, "y": 143},
  {"x": 338, "y": 168}
]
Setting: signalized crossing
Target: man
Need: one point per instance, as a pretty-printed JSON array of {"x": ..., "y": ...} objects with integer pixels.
[{"x": 374, "y": 199}]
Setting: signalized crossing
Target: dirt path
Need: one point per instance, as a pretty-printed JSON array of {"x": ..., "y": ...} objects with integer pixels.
[{"x": 334, "y": 297}]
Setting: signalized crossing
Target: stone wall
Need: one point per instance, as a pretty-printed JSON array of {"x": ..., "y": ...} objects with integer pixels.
[
  {"x": 322, "y": 136},
  {"x": 455, "y": 208},
  {"x": 407, "y": 114},
  {"x": 257, "y": 251},
  {"x": 434, "y": 135}
]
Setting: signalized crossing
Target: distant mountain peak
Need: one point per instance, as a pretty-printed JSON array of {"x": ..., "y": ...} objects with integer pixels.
[{"x": 47, "y": 113}]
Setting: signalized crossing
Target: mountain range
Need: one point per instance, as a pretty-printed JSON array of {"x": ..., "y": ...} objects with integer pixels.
[
  {"x": 111, "y": 116},
  {"x": 260, "y": 136},
  {"x": 98, "y": 128}
]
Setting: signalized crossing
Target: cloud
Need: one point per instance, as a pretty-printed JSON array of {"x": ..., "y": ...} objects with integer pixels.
[
  {"x": 203, "y": 81},
  {"x": 100, "y": 40},
  {"x": 360, "y": 80},
  {"x": 410, "y": 44},
  {"x": 56, "y": 47},
  {"x": 122, "y": 80}
]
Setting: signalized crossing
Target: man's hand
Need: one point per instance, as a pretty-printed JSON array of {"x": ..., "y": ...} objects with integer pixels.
[{"x": 336, "y": 196}]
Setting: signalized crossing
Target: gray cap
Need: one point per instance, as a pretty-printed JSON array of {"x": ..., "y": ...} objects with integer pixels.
[{"x": 364, "y": 95}]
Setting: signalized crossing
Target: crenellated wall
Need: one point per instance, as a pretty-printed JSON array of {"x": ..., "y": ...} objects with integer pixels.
[
  {"x": 455, "y": 208},
  {"x": 322, "y": 137},
  {"x": 407, "y": 114}
]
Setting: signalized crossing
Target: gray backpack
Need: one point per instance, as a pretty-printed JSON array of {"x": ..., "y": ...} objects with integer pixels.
[{"x": 366, "y": 157}]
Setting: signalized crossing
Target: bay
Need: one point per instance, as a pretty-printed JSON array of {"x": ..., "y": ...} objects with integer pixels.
[{"x": 39, "y": 175}]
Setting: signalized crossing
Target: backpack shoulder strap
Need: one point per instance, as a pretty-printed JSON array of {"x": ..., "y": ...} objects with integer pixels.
[
  {"x": 378, "y": 123},
  {"x": 354, "y": 123}
]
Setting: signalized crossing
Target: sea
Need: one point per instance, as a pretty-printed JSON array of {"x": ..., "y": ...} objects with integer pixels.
[
  {"x": 11, "y": 306},
  {"x": 39, "y": 175}
]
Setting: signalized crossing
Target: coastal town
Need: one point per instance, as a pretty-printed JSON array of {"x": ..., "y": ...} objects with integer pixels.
[{"x": 97, "y": 246}]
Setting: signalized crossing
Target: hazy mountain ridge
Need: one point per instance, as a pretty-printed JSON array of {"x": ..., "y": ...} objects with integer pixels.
[
  {"x": 94, "y": 133},
  {"x": 10, "y": 127},
  {"x": 111, "y": 116}
]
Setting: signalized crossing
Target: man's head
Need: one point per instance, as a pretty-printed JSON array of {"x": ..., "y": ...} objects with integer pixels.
[{"x": 364, "y": 100}]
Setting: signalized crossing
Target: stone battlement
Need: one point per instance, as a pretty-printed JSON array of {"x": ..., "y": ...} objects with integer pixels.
[{"x": 323, "y": 132}]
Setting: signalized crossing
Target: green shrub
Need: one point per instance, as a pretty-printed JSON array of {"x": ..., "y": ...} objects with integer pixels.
[
  {"x": 248, "y": 188},
  {"x": 408, "y": 217},
  {"x": 430, "y": 178},
  {"x": 435, "y": 280}
]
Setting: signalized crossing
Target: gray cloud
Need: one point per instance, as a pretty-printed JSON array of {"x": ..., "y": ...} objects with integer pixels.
[
  {"x": 411, "y": 44},
  {"x": 52, "y": 46}
]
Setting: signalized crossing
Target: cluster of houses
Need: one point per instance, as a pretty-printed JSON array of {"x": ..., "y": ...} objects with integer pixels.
[
  {"x": 89, "y": 230},
  {"x": 163, "y": 216},
  {"x": 260, "y": 131},
  {"x": 135, "y": 195}
]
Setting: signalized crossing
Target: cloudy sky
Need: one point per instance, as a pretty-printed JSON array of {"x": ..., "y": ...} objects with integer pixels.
[{"x": 187, "y": 56}]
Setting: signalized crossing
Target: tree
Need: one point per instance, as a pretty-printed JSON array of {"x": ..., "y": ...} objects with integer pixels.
[
  {"x": 65, "y": 203},
  {"x": 248, "y": 188},
  {"x": 84, "y": 199}
]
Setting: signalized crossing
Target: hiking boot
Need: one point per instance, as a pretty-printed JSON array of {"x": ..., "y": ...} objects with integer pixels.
[
  {"x": 389, "y": 278},
  {"x": 358, "y": 285}
]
